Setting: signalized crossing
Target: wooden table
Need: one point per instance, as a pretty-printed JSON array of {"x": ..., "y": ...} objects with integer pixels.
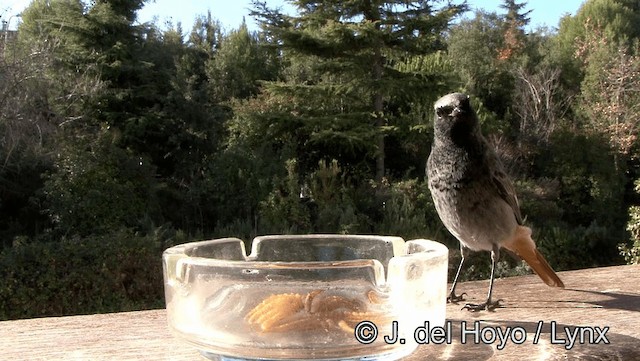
[{"x": 602, "y": 305}]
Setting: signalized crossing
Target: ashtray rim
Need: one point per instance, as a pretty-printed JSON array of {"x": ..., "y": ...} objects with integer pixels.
[
  {"x": 178, "y": 259},
  {"x": 401, "y": 248},
  {"x": 415, "y": 249}
]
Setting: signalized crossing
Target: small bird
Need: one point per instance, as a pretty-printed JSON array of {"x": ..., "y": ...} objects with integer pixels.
[{"x": 474, "y": 197}]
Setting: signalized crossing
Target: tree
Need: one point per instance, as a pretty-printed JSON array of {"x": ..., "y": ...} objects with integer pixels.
[
  {"x": 599, "y": 44},
  {"x": 240, "y": 63},
  {"x": 513, "y": 32},
  {"x": 26, "y": 130},
  {"x": 617, "y": 20},
  {"x": 482, "y": 72},
  {"x": 350, "y": 50},
  {"x": 511, "y": 77},
  {"x": 98, "y": 187},
  {"x": 611, "y": 94},
  {"x": 631, "y": 251},
  {"x": 44, "y": 90},
  {"x": 97, "y": 90},
  {"x": 538, "y": 105}
]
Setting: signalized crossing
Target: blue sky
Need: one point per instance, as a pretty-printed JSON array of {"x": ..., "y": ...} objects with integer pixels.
[{"x": 231, "y": 12}]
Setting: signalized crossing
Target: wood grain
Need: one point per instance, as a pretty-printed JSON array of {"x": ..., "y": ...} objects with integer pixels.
[{"x": 601, "y": 297}]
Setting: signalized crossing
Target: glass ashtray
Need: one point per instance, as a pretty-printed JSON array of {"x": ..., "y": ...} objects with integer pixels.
[{"x": 305, "y": 297}]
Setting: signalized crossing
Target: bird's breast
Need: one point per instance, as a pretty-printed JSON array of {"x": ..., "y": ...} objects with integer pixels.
[{"x": 467, "y": 202}]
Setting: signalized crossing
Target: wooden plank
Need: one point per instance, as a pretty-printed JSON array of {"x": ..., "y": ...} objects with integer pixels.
[
  {"x": 120, "y": 336},
  {"x": 594, "y": 298}
]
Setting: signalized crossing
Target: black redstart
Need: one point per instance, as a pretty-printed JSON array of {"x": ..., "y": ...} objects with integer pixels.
[{"x": 474, "y": 197}]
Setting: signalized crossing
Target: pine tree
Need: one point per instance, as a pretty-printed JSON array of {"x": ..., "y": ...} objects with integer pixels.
[
  {"x": 346, "y": 77},
  {"x": 514, "y": 35},
  {"x": 240, "y": 63}
]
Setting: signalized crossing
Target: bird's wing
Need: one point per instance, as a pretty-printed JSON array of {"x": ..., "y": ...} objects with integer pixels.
[{"x": 503, "y": 183}]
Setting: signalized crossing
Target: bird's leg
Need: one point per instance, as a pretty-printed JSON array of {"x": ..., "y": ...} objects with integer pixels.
[
  {"x": 488, "y": 305},
  {"x": 452, "y": 294}
]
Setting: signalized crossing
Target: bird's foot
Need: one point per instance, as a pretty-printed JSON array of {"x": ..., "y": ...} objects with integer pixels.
[
  {"x": 489, "y": 306},
  {"x": 452, "y": 298}
]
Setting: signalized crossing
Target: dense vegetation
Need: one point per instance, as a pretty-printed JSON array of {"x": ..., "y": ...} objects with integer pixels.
[{"x": 119, "y": 139}]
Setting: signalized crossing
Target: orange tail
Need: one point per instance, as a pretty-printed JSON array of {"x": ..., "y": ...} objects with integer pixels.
[{"x": 523, "y": 245}]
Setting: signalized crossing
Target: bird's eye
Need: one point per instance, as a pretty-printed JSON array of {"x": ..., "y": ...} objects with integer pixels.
[{"x": 443, "y": 111}]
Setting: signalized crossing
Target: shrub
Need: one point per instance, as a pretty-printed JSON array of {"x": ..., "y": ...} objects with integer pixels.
[
  {"x": 118, "y": 271},
  {"x": 282, "y": 211},
  {"x": 631, "y": 253},
  {"x": 408, "y": 211},
  {"x": 98, "y": 187}
]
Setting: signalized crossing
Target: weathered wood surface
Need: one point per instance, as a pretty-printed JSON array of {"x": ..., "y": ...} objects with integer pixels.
[{"x": 593, "y": 300}]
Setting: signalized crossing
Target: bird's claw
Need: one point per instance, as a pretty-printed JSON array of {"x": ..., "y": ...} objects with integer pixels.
[
  {"x": 489, "y": 306},
  {"x": 452, "y": 298}
]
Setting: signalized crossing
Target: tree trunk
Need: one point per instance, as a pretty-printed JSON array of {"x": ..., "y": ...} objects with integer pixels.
[
  {"x": 378, "y": 108},
  {"x": 380, "y": 122}
]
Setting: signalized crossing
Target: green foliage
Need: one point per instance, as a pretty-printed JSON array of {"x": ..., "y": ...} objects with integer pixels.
[
  {"x": 408, "y": 210},
  {"x": 576, "y": 204},
  {"x": 60, "y": 23},
  {"x": 571, "y": 247},
  {"x": 240, "y": 62},
  {"x": 480, "y": 69},
  {"x": 120, "y": 139},
  {"x": 346, "y": 107},
  {"x": 332, "y": 207},
  {"x": 282, "y": 211},
  {"x": 631, "y": 253},
  {"x": 116, "y": 271},
  {"x": 615, "y": 21},
  {"x": 97, "y": 187},
  {"x": 590, "y": 187},
  {"x": 611, "y": 94},
  {"x": 330, "y": 201},
  {"x": 39, "y": 94},
  {"x": 619, "y": 20}
]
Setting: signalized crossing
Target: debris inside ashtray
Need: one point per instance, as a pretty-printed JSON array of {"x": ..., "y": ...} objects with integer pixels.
[{"x": 318, "y": 310}]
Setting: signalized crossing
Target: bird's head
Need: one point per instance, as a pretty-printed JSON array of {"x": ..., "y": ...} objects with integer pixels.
[{"x": 454, "y": 117}]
